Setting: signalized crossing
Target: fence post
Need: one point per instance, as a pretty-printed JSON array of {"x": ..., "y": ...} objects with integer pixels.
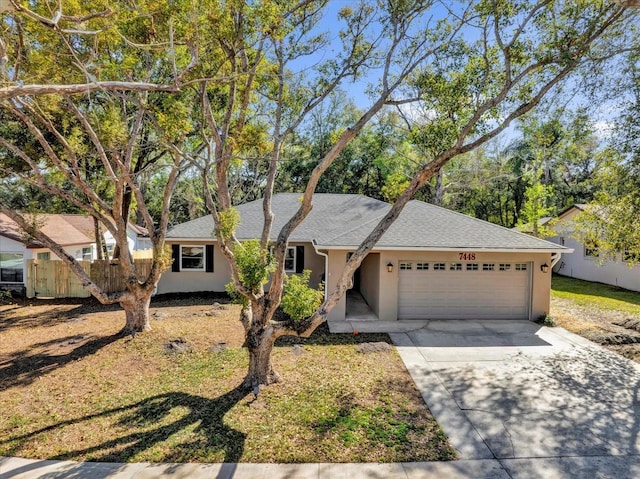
[{"x": 31, "y": 278}]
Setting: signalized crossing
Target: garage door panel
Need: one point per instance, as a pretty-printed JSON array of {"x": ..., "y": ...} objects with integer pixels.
[{"x": 437, "y": 294}]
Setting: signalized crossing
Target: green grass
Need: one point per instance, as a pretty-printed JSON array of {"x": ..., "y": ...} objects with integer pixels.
[
  {"x": 590, "y": 294},
  {"x": 129, "y": 400}
]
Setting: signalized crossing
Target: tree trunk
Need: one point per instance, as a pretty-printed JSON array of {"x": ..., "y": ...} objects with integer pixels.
[
  {"x": 439, "y": 193},
  {"x": 261, "y": 372},
  {"x": 137, "y": 312}
]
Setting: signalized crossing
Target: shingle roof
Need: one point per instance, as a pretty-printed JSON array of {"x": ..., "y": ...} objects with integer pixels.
[
  {"x": 345, "y": 220},
  {"x": 138, "y": 230},
  {"x": 330, "y": 212},
  {"x": 425, "y": 226},
  {"x": 66, "y": 230}
]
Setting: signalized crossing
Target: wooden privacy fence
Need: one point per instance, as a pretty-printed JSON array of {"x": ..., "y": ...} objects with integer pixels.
[{"x": 54, "y": 278}]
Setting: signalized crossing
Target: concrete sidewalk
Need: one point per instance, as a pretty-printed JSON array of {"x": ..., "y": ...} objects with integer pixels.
[
  {"x": 23, "y": 468},
  {"x": 581, "y": 467}
]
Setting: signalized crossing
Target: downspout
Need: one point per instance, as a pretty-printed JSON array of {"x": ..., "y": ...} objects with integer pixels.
[{"x": 326, "y": 267}]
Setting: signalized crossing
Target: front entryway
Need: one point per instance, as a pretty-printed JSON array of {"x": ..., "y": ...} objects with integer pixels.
[
  {"x": 457, "y": 290},
  {"x": 357, "y": 308}
]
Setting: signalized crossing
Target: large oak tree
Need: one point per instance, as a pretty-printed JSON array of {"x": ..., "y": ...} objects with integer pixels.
[{"x": 92, "y": 144}]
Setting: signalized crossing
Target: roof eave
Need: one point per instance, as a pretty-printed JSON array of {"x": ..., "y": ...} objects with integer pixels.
[{"x": 559, "y": 249}]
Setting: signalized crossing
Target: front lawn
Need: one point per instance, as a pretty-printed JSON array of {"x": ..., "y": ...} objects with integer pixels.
[
  {"x": 72, "y": 388},
  {"x": 588, "y": 293}
]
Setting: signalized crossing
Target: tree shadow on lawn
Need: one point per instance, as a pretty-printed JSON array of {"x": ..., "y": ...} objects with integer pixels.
[
  {"x": 57, "y": 310},
  {"x": 204, "y": 418},
  {"x": 23, "y": 367}
]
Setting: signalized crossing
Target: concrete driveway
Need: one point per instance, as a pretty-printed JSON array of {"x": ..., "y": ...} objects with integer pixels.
[{"x": 541, "y": 401}]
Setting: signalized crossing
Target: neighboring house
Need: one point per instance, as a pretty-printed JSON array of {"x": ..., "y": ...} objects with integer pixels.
[
  {"x": 75, "y": 233},
  {"x": 137, "y": 238},
  {"x": 432, "y": 263},
  {"x": 543, "y": 223},
  {"x": 585, "y": 263}
]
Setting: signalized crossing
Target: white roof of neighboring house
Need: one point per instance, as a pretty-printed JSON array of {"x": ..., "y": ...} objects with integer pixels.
[{"x": 343, "y": 221}]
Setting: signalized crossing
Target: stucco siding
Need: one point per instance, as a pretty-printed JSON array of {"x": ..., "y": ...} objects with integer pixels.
[
  {"x": 337, "y": 260},
  {"x": 197, "y": 281},
  {"x": 187, "y": 281},
  {"x": 314, "y": 262},
  {"x": 370, "y": 281},
  {"x": 540, "y": 283}
]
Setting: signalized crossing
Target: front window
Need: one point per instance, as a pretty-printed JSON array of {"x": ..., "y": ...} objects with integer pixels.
[
  {"x": 46, "y": 256},
  {"x": 191, "y": 258},
  {"x": 290, "y": 259},
  {"x": 591, "y": 251},
  {"x": 11, "y": 268},
  {"x": 87, "y": 254}
]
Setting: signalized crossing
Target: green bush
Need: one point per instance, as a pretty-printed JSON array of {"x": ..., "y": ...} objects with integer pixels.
[
  {"x": 547, "y": 320},
  {"x": 299, "y": 300},
  {"x": 254, "y": 267},
  {"x": 5, "y": 297}
]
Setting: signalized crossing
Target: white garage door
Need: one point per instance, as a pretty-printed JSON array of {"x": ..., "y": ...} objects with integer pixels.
[{"x": 445, "y": 290}]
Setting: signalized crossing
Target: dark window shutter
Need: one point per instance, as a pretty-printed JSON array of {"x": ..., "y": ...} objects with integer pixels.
[
  {"x": 299, "y": 259},
  {"x": 175, "y": 254},
  {"x": 208, "y": 256}
]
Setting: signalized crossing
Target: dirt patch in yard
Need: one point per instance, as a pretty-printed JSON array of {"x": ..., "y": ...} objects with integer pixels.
[{"x": 615, "y": 330}]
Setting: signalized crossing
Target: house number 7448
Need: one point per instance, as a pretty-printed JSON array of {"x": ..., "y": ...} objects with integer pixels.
[{"x": 467, "y": 256}]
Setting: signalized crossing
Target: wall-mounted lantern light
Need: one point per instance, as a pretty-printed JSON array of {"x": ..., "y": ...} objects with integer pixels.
[
  {"x": 390, "y": 267},
  {"x": 544, "y": 268}
]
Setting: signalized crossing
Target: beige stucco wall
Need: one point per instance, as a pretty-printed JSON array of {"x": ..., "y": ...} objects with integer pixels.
[
  {"x": 336, "y": 261},
  {"x": 314, "y": 262},
  {"x": 388, "y": 282},
  {"x": 370, "y": 281},
  {"x": 187, "y": 281},
  {"x": 194, "y": 281}
]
